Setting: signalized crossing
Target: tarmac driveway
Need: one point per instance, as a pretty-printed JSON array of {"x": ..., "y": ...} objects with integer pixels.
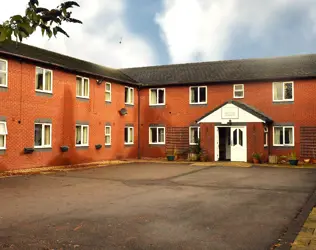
[{"x": 152, "y": 206}]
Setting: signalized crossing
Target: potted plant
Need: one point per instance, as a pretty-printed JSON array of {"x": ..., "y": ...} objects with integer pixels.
[
  {"x": 171, "y": 154},
  {"x": 307, "y": 160},
  {"x": 293, "y": 159},
  {"x": 314, "y": 157},
  {"x": 256, "y": 158}
]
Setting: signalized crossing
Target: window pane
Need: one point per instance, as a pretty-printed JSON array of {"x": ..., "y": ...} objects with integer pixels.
[
  {"x": 3, "y": 78},
  {"x": 194, "y": 95},
  {"x": 288, "y": 90},
  {"x": 48, "y": 80},
  {"x": 239, "y": 93},
  {"x": 265, "y": 139},
  {"x": 38, "y": 135},
  {"x": 131, "y": 95},
  {"x": 108, "y": 130},
  {"x": 240, "y": 137},
  {"x": 153, "y": 135},
  {"x": 203, "y": 94},
  {"x": 86, "y": 88},
  {"x": 238, "y": 87},
  {"x": 39, "y": 79},
  {"x": 161, "y": 135},
  {"x": 131, "y": 139},
  {"x": 278, "y": 91},
  {"x": 288, "y": 137},
  {"x": 107, "y": 139},
  {"x": 126, "y": 95},
  {"x": 3, "y": 130},
  {"x": 153, "y": 96},
  {"x": 235, "y": 137},
  {"x": 126, "y": 135},
  {"x": 278, "y": 135},
  {"x": 161, "y": 96},
  {"x": 108, "y": 86},
  {"x": 2, "y": 141},
  {"x": 194, "y": 135},
  {"x": 79, "y": 86},
  {"x": 85, "y": 135},
  {"x": 3, "y": 66},
  {"x": 108, "y": 96},
  {"x": 47, "y": 135},
  {"x": 78, "y": 135}
]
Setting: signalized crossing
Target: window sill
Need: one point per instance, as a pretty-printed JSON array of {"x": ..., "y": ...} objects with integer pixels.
[
  {"x": 82, "y": 98},
  {"x": 129, "y": 105},
  {"x": 198, "y": 104},
  {"x": 108, "y": 102},
  {"x": 283, "y": 147},
  {"x": 235, "y": 97},
  {"x": 283, "y": 102},
  {"x": 108, "y": 146},
  {"x": 128, "y": 144},
  {"x": 42, "y": 149},
  {"x": 2, "y": 151},
  {"x": 42, "y": 93},
  {"x": 157, "y": 105},
  {"x": 3, "y": 88},
  {"x": 157, "y": 145},
  {"x": 82, "y": 147}
]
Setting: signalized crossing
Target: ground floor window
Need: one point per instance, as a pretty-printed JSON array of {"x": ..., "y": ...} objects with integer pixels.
[
  {"x": 43, "y": 135},
  {"x": 266, "y": 131},
  {"x": 129, "y": 135},
  {"x": 82, "y": 135},
  {"x": 194, "y": 135},
  {"x": 107, "y": 135},
  {"x": 283, "y": 136},
  {"x": 157, "y": 135},
  {"x": 3, "y": 135}
]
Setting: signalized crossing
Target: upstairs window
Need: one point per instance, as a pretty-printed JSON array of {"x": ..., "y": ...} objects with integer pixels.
[
  {"x": 283, "y": 91},
  {"x": 129, "y": 135},
  {"x": 238, "y": 91},
  {"x": 156, "y": 97},
  {"x": 3, "y": 135},
  {"x": 107, "y": 135},
  {"x": 43, "y": 135},
  {"x": 157, "y": 135},
  {"x": 198, "y": 95},
  {"x": 82, "y": 135},
  {"x": 283, "y": 136},
  {"x": 129, "y": 95},
  {"x": 266, "y": 134},
  {"x": 108, "y": 95},
  {"x": 44, "y": 80},
  {"x": 194, "y": 135},
  {"x": 82, "y": 87},
  {"x": 3, "y": 73}
]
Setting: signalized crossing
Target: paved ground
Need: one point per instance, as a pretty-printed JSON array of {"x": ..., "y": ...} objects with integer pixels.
[{"x": 152, "y": 206}]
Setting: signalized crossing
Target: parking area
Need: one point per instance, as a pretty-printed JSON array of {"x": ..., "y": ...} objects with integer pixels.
[{"x": 152, "y": 206}]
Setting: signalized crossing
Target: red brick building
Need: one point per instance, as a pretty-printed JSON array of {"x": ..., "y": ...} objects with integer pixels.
[{"x": 58, "y": 110}]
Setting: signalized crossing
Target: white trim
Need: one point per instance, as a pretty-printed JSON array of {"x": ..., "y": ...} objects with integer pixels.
[
  {"x": 128, "y": 131},
  {"x": 283, "y": 129},
  {"x": 110, "y": 134},
  {"x": 283, "y": 99},
  {"x": 164, "y": 97},
  {"x": 157, "y": 143},
  {"x": 108, "y": 91},
  {"x": 43, "y": 135},
  {"x": 191, "y": 127},
  {"x": 81, "y": 134},
  {"x": 5, "y": 135},
  {"x": 44, "y": 80},
  {"x": 198, "y": 102},
  {"x": 82, "y": 86},
  {"x": 239, "y": 90},
  {"x": 266, "y": 136},
  {"x": 129, "y": 89},
  {"x": 6, "y": 73}
]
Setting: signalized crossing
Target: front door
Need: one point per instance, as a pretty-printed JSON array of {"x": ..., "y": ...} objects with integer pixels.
[{"x": 239, "y": 144}]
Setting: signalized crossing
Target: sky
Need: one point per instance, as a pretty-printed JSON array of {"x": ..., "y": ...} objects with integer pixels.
[{"x": 156, "y": 32}]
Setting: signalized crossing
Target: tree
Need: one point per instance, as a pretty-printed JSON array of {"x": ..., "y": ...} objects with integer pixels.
[{"x": 49, "y": 21}]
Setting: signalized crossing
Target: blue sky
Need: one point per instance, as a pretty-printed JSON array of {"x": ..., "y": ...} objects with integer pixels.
[{"x": 158, "y": 32}]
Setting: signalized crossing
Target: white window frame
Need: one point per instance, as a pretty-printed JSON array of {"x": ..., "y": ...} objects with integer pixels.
[
  {"x": 283, "y": 99},
  {"x": 164, "y": 138},
  {"x": 108, "y": 91},
  {"x": 129, "y": 91},
  {"x": 157, "y": 90},
  {"x": 198, "y": 102},
  {"x": 43, "y": 134},
  {"x": 110, "y": 135},
  {"x": 284, "y": 145},
  {"x": 266, "y": 136},
  {"x": 5, "y": 135},
  {"x": 82, "y": 84},
  {"x": 81, "y": 131},
  {"x": 6, "y": 73},
  {"x": 239, "y": 90},
  {"x": 192, "y": 127},
  {"x": 128, "y": 129},
  {"x": 44, "y": 80}
]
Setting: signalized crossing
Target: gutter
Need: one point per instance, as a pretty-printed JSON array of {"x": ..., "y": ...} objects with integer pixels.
[{"x": 138, "y": 127}]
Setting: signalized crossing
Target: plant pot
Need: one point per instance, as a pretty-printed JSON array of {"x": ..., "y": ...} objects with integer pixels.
[
  {"x": 293, "y": 162},
  {"x": 170, "y": 157},
  {"x": 255, "y": 160},
  {"x": 314, "y": 161},
  {"x": 307, "y": 160}
]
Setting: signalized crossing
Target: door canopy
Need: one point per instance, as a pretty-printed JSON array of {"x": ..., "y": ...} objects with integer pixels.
[{"x": 236, "y": 112}]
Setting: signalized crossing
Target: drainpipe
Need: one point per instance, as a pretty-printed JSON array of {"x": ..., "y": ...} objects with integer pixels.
[{"x": 138, "y": 127}]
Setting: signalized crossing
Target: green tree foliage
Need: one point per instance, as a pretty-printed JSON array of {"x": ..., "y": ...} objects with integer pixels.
[{"x": 49, "y": 21}]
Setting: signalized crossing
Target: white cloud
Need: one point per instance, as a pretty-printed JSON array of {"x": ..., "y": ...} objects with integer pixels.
[
  {"x": 202, "y": 29},
  {"x": 97, "y": 40}
]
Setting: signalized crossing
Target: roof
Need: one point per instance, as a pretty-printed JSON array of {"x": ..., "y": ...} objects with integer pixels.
[
  {"x": 48, "y": 57},
  {"x": 290, "y": 67},
  {"x": 257, "y": 113}
]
